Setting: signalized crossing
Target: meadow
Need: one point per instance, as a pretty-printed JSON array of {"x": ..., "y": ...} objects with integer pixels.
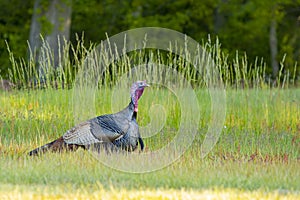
[{"x": 256, "y": 156}]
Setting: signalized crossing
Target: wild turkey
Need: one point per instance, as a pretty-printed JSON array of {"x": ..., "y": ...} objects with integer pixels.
[{"x": 111, "y": 131}]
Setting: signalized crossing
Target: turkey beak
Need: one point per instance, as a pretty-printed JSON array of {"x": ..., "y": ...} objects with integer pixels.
[{"x": 147, "y": 85}]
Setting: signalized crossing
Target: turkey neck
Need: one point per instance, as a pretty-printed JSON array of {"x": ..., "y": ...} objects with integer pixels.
[
  {"x": 132, "y": 107},
  {"x": 134, "y": 115},
  {"x": 135, "y": 96}
]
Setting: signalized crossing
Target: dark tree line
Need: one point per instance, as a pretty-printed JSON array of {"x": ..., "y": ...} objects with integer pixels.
[{"x": 261, "y": 28}]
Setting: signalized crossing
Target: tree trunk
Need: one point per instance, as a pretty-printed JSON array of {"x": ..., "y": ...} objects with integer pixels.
[
  {"x": 219, "y": 18},
  {"x": 35, "y": 30},
  {"x": 52, "y": 21},
  {"x": 274, "y": 48}
]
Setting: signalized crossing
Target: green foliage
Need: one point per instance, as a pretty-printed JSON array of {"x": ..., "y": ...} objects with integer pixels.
[
  {"x": 15, "y": 17},
  {"x": 46, "y": 25},
  {"x": 240, "y": 25}
]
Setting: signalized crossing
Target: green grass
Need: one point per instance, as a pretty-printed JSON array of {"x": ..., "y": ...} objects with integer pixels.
[
  {"x": 257, "y": 151},
  {"x": 256, "y": 156}
]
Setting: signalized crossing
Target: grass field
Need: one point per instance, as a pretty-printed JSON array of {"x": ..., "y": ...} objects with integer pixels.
[{"x": 257, "y": 155}]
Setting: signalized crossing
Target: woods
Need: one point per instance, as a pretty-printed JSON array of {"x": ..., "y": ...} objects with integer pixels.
[{"x": 261, "y": 29}]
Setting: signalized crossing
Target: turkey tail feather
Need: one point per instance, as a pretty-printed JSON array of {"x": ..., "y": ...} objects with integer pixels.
[
  {"x": 56, "y": 145},
  {"x": 41, "y": 149}
]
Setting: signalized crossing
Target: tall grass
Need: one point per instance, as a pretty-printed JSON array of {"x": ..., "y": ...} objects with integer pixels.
[{"x": 44, "y": 70}]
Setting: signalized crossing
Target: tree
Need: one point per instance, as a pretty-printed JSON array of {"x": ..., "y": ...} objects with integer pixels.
[
  {"x": 274, "y": 47},
  {"x": 263, "y": 29},
  {"x": 51, "y": 20}
]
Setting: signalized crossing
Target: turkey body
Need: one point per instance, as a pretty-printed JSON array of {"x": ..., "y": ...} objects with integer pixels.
[{"x": 111, "y": 132}]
